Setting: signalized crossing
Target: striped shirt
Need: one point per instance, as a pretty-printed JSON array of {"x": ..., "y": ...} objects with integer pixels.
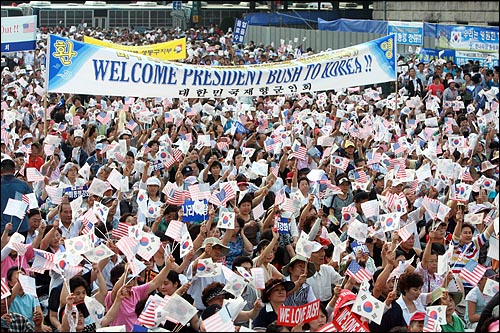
[{"x": 460, "y": 259}]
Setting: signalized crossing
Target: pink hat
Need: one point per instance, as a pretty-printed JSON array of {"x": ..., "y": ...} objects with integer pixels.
[{"x": 451, "y": 81}]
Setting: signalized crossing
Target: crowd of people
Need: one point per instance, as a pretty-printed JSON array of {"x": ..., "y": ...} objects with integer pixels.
[{"x": 212, "y": 214}]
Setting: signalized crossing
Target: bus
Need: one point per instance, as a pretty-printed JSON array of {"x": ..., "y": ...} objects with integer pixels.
[
  {"x": 10, "y": 11},
  {"x": 151, "y": 14}
]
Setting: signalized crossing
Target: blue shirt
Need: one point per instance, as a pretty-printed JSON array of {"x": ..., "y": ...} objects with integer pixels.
[{"x": 9, "y": 186}]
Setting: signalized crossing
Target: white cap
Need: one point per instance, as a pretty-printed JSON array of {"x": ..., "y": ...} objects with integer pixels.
[
  {"x": 153, "y": 181},
  {"x": 125, "y": 132},
  {"x": 317, "y": 246},
  {"x": 191, "y": 180},
  {"x": 27, "y": 136}
]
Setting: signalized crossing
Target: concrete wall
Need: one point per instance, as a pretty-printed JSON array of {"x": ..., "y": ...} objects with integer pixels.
[{"x": 461, "y": 12}]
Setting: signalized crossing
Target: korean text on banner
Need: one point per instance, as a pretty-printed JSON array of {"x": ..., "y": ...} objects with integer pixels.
[
  {"x": 18, "y": 33},
  {"x": 118, "y": 73},
  {"x": 409, "y": 33},
  {"x": 171, "y": 50}
]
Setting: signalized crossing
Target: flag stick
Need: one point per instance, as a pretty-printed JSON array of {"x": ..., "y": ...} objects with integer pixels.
[
  {"x": 6, "y": 304},
  {"x": 461, "y": 255}
]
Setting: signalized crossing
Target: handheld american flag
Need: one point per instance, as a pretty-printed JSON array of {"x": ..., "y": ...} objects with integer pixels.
[
  {"x": 131, "y": 125},
  {"x": 103, "y": 118},
  {"x": 357, "y": 272},
  {"x": 472, "y": 272}
]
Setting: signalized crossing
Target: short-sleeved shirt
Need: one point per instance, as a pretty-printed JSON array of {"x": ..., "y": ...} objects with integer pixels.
[
  {"x": 323, "y": 280},
  {"x": 8, "y": 262},
  {"x": 419, "y": 304},
  {"x": 126, "y": 314},
  {"x": 476, "y": 296},
  {"x": 269, "y": 270},
  {"x": 430, "y": 282},
  {"x": 457, "y": 326},
  {"x": 265, "y": 317},
  {"x": 24, "y": 305}
]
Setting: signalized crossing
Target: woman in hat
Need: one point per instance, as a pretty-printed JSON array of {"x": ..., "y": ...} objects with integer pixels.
[
  {"x": 297, "y": 271},
  {"x": 70, "y": 175},
  {"x": 442, "y": 297},
  {"x": 274, "y": 296}
]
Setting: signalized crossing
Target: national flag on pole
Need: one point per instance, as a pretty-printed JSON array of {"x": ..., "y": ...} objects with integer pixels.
[
  {"x": 129, "y": 246},
  {"x": 432, "y": 325},
  {"x": 269, "y": 144},
  {"x": 472, "y": 272},
  {"x": 103, "y": 118},
  {"x": 222, "y": 145},
  {"x": 370, "y": 208},
  {"x": 258, "y": 211},
  {"x": 121, "y": 231},
  {"x": 168, "y": 117},
  {"x": 131, "y": 125},
  {"x": 389, "y": 221},
  {"x": 147, "y": 317},
  {"x": 405, "y": 232},
  {"x": 219, "y": 322},
  {"x": 466, "y": 176},
  {"x": 288, "y": 205},
  {"x": 175, "y": 197},
  {"x": 226, "y": 194},
  {"x": 398, "y": 148},
  {"x": 178, "y": 154},
  {"x": 360, "y": 176},
  {"x": 358, "y": 273},
  {"x": 300, "y": 152},
  {"x": 174, "y": 230},
  {"x": 5, "y": 289},
  {"x": 373, "y": 157},
  {"x": 15, "y": 208},
  {"x": 275, "y": 170},
  {"x": 23, "y": 197},
  {"x": 339, "y": 162},
  {"x": 280, "y": 196},
  {"x": 33, "y": 175},
  {"x": 43, "y": 261}
]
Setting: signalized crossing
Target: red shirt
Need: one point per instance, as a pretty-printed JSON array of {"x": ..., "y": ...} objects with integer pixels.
[
  {"x": 35, "y": 162},
  {"x": 436, "y": 90}
]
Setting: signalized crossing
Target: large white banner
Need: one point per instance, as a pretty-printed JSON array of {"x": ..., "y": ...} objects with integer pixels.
[
  {"x": 75, "y": 67},
  {"x": 18, "y": 33}
]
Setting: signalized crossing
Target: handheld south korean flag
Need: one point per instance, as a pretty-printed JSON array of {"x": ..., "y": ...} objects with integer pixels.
[
  {"x": 186, "y": 244},
  {"x": 389, "y": 222},
  {"x": 226, "y": 220}
]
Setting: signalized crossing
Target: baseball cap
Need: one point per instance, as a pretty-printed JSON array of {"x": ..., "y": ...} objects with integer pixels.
[
  {"x": 379, "y": 176},
  {"x": 153, "y": 181},
  {"x": 124, "y": 132},
  {"x": 27, "y": 136},
  {"x": 98, "y": 146},
  {"x": 191, "y": 180},
  {"x": 289, "y": 175},
  {"x": 187, "y": 171},
  {"x": 451, "y": 81},
  {"x": 418, "y": 316},
  {"x": 317, "y": 246},
  {"x": 348, "y": 143}
]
